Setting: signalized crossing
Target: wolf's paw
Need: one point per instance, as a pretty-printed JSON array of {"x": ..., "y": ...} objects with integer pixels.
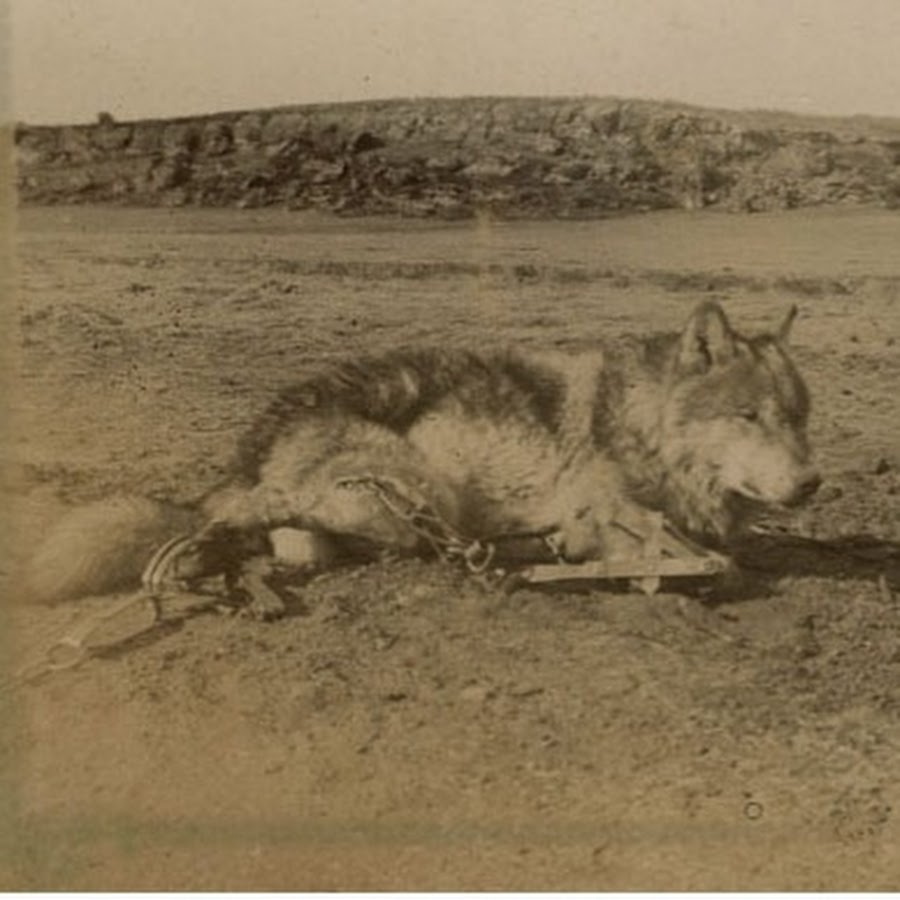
[{"x": 263, "y": 603}]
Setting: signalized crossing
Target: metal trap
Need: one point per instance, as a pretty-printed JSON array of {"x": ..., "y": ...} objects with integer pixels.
[{"x": 643, "y": 557}]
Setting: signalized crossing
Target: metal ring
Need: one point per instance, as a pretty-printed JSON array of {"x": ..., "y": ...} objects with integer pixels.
[{"x": 475, "y": 564}]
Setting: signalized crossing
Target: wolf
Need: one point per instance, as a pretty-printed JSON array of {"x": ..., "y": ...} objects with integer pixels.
[{"x": 706, "y": 426}]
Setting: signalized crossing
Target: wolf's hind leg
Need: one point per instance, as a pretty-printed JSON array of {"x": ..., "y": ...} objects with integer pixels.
[
  {"x": 248, "y": 566},
  {"x": 294, "y": 553},
  {"x": 253, "y": 535},
  {"x": 346, "y": 510}
]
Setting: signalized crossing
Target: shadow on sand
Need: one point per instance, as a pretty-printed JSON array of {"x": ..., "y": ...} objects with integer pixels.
[{"x": 762, "y": 559}]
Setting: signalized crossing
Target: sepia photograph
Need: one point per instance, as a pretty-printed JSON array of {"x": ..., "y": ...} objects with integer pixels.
[{"x": 450, "y": 445}]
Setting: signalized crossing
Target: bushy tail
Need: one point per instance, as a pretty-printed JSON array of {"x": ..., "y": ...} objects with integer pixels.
[{"x": 102, "y": 547}]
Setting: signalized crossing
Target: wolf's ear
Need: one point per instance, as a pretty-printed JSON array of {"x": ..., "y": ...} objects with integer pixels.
[
  {"x": 784, "y": 330},
  {"x": 707, "y": 340}
]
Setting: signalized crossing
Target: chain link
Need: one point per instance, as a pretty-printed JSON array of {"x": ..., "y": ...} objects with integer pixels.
[{"x": 441, "y": 536}]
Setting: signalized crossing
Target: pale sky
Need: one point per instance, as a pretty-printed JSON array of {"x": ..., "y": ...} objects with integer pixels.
[{"x": 160, "y": 58}]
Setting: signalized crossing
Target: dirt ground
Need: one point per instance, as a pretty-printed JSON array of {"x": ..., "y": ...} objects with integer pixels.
[{"x": 405, "y": 727}]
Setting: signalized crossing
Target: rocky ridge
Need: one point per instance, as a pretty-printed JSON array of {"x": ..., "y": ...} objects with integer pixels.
[{"x": 514, "y": 157}]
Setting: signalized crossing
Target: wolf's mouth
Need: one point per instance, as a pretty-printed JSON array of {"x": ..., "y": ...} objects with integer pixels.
[
  {"x": 746, "y": 491},
  {"x": 798, "y": 496},
  {"x": 751, "y": 501}
]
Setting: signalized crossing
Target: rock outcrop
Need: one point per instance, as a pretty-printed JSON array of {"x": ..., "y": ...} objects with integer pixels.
[{"x": 453, "y": 158}]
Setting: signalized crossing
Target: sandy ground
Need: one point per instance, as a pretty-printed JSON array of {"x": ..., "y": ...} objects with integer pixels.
[{"x": 405, "y": 727}]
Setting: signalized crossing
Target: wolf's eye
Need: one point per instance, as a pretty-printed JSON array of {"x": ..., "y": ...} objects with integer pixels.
[{"x": 749, "y": 415}]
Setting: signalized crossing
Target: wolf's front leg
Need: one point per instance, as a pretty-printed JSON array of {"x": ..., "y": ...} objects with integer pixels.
[{"x": 606, "y": 527}]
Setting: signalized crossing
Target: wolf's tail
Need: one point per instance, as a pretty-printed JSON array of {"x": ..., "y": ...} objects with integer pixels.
[{"x": 102, "y": 547}]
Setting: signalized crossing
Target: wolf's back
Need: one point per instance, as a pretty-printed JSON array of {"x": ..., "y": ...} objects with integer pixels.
[
  {"x": 396, "y": 388},
  {"x": 101, "y": 547}
]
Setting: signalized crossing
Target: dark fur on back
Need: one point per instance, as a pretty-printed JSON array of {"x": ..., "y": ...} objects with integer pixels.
[{"x": 397, "y": 388}]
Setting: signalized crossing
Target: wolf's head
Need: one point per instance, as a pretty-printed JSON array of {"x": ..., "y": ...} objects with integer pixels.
[{"x": 733, "y": 424}]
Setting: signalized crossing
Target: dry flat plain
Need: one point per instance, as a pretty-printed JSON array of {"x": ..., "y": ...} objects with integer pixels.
[{"x": 405, "y": 727}]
